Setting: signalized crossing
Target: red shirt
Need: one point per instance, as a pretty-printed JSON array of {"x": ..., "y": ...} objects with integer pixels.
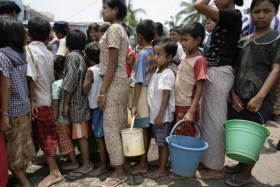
[{"x": 128, "y": 68}]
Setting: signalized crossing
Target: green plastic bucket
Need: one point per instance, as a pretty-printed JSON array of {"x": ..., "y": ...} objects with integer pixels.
[{"x": 244, "y": 140}]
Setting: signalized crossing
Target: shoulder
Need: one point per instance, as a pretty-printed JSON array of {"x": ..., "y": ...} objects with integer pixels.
[
  {"x": 4, "y": 58},
  {"x": 168, "y": 72},
  {"x": 57, "y": 83},
  {"x": 234, "y": 12}
]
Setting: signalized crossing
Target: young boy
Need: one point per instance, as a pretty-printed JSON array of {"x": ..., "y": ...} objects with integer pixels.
[
  {"x": 142, "y": 72},
  {"x": 75, "y": 103},
  {"x": 40, "y": 74},
  {"x": 61, "y": 29},
  {"x": 63, "y": 125},
  {"x": 189, "y": 81},
  {"x": 174, "y": 34},
  {"x": 91, "y": 88},
  {"x": 161, "y": 99}
]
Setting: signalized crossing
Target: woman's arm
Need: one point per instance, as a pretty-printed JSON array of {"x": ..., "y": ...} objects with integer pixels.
[
  {"x": 256, "y": 102},
  {"x": 108, "y": 78},
  {"x": 88, "y": 82},
  {"x": 5, "y": 90},
  {"x": 203, "y": 7}
]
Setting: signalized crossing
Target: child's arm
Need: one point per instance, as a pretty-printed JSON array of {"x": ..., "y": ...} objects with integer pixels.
[
  {"x": 31, "y": 85},
  {"x": 177, "y": 62},
  {"x": 256, "y": 102},
  {"x": 198, "y": 92},
  {"x": 5, "y": 90},
  {"x": 159, "y": 119},
  {"x": 65, "y": 108},
  {"x": 203, "y": 7},
  {"x": 137, "y": 92},
  {"x": 88, "y": 82}
]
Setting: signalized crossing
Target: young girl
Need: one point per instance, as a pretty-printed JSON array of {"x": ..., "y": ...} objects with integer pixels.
[
  {"x": 93, "y": 30},
  {"x": 209, "y": 26},
  {"x": 190, "y": 80},
  {"x": 63, "y": 125},
  {"x": 219, "y": 81},
  {"x": 161, "y": 99},
  {"x": 91, "y": 88},
  {"x": 74, "y": 101},
  {"x": 14, "y": 103},
  {"x": 257, "y": 72}
]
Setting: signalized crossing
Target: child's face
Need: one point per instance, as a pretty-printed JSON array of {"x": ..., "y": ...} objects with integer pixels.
[
  {"x": 94, "y": 34},
  {"x": 59, "y": 35},
  {"x": 263, "y": 13},
  {"x": 189, "y": 43},
  {"x": 161, "y": 58},
  {"x": 174, "y": 35},
  {"x": 210, "y": 25},
  {"x": 138, "y": 48}
]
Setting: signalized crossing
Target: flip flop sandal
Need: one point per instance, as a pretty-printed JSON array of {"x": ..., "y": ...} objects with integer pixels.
[
  {"x": 231, "y": 169},
  {"x": 109, "y": 179},
  {"x": 74, "y": 175},
  {"x": 98, "y": 174},
  {"x": 233, "y": 181},
  {"x": 176, "y": 177},
  {"x": 207, "y": 176}
]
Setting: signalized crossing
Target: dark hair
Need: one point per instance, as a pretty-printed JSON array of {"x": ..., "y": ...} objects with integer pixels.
[
  {"x": 257, "y": 2},
  {"x": 195, "y": 29},
  {"x": 94, "y": 26},
  {"x": 59, "y": 63},
  {"x": 9, "y": 7},
  {"x": 176, "y": 29},
  {"x": 147, "y": 29},
  {"x": 104, "y": 27},
  {"x": 92, "y": 51},
  {"x": 62, "y": 30},
  {"x": 159, "y": 29},
  {"x": 169, "y": 46},
  {"x": 121, "y": 5},
  {"x": 125, "y": 28},
  {"x": 76, "y": 40},
  {"x": 39, "y": 28},
  {"x": 12, "y": 34}
]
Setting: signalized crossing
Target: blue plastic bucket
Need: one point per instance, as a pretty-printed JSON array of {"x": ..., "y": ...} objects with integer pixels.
[{"x": 185, "y": 152}]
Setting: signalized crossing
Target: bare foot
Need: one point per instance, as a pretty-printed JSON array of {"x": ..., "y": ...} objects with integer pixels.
[
  {"x": 84, "y": 168},
  {"x": 100, "y": 170},
  {"x": 210, "y": 174},
  {"x": 69, "y": 166},
  {"x": 157, "y": 174},
  {"x": 176, "y": 177},
  {"x": 137, "y": 169},
  {"x": 40, "y": 160},
  {"x": 50, "y": 180},
  {"x": 154, "y": 163}
]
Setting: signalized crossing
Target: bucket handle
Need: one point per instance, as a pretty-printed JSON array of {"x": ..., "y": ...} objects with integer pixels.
[
  {"x": 182, "y": 121},
  {"x": 261, "y": 118}
]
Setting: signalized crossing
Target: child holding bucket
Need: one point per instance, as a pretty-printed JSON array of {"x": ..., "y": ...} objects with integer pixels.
[
  {"x": 189, "y": 83},
  {"x": 161, "y": 99},
  {"x": 257, "y": 70},
  {"x": 91, "y": 88}
]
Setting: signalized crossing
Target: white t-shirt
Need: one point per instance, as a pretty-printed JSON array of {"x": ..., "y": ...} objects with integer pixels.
[
  {"x": 95, "y": 87},
  {"x": 180, "y": 55},
  {"x": 40, "y": 69},
  {"x": 158, "y": 83},
  {"x": 62, "y": 49}
]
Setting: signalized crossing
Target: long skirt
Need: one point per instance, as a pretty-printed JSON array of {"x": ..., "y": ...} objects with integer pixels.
[
  {"x": 276, "y": 107},
  {"x": 3, "y": 162},
  {"x": 214, "y": 113},
  {"x": 115, "y": 120}
]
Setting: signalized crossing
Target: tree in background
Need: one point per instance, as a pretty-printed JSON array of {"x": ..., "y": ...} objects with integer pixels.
[
  {"x": 246, "y": 11},
  {"x": 174, "y": 21}
]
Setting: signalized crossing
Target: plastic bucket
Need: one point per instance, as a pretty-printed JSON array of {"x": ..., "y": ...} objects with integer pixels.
[
  {"x": 185, "y": 152},
  {"x": 244, "y": 140},
  {"x": 133, "y": 142}
]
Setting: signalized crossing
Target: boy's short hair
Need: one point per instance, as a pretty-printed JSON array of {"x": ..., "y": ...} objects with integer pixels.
[
  {"x": 121, "y": 5},
  {"x": 76, "y": 40},
  {"x": 147, "y": 28},
  {"x": 92, "y": 51},
  {"x": 9, "y": 7},
  {"x": 104, "y": 27},
  {"x": 195, "y": 29},
  {"x": 59, "y": 63},
  {"x": 175, "y": 29},
  {"x": 159, "y": 29},
  {"x": 169, "y": 46},
  {"x": 94, "y": 26},
  {"x": 12, "y": 34},
  {"x": 39, "y": 29}
]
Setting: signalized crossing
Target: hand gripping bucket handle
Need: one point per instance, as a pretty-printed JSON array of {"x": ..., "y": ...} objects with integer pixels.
[{"x": 183, "y": 121}]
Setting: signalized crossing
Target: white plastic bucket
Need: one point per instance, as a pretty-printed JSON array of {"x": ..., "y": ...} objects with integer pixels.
[{"x": 133, "y": 142}]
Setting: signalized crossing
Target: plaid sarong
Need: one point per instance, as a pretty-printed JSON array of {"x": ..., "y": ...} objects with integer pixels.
[
  {"x": 161, "y": 134},
  {"x": 65, "y": 143}
]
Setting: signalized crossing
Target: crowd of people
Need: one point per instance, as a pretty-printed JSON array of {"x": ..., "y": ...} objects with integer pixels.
[{"x": 56, "y": 90}]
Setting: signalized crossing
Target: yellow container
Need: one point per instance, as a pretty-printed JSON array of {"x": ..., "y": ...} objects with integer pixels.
[{"x": 133, "y": 142}]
